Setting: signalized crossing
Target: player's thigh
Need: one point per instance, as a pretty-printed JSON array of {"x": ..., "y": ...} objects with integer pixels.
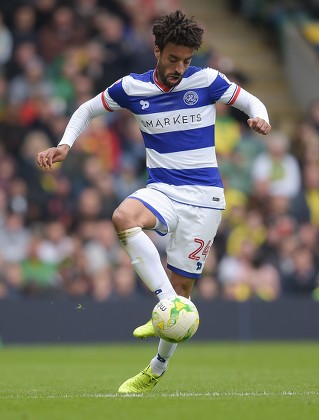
[
  {"x": 132, "y": 213},
  {"x": 160, "y": 206},
  {"x": 190, "y": 243}
]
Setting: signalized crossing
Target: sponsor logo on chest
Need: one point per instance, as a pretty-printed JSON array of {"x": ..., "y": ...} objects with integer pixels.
[{"x": 173, "y": 120}]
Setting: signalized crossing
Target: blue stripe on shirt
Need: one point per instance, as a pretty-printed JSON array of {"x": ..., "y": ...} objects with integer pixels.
[
  {"x": 171, "y": 101},
  {"x": 218, "y": 88},
  {"x": 179, "y": 141},
  {"x": 118, "y": 94},
  {"x": 155, "y": 104},
  {"x": 200, "y": 176}
]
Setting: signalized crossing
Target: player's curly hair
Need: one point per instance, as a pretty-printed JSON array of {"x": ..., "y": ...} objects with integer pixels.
[{"x": 178, "y": 29}]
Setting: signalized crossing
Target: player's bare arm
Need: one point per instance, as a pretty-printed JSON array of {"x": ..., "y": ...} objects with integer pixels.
[
  {"x": 259, "y": 125},
  {"x": 52, "y": 155}
]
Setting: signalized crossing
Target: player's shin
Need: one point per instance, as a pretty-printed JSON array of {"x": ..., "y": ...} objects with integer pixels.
[
  {"x": 160, "y": 362},
  {"x": 146, "y": 261}
]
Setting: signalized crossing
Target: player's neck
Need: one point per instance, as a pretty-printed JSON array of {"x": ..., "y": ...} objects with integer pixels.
[{"x": 160, "y": 84}]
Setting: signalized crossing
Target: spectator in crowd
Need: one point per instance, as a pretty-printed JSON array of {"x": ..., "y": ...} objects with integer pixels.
[
  {"x": 102, "y": 249},
  {"x": 3, "y": 96},
  {"x": 6, "y": 42},
  {"x": 23, "y": 28},
  {"x": 14, "y": 238},
  {"x": 311, "y": 191},
  {"x": 207, "y": 288},
  {"x": 39, "y": 276},
  {"x": 308, "y": 235},
  {"x": 12, "y": 283},
  {"x": 21, "y": 55},
  {"x": 116, "y": 47},
  {"x": 63, "y": 31},
  {"x": 3, "y": 207},
  {"x": 55, "y": 246},
  {"x": 244, "y": 276},
  {"x": 7, "y": 171},
  {"x": 125, "y": 283},
  {"x": 30, "y": 85},
  {"x": 304, "y": 275},
  {"x": 89, "y": 205},
  {"x": 102, "y": 286},
  {"x": 43, "y": 11},
  {"x": 276, "y": 171},
  {"x": 17, "y": 196},
  {"x": 38, "y": 185},
  {"x": 94, "y": 66}
]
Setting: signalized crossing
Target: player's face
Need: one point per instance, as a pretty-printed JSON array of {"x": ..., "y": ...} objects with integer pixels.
[{"x": 172, "y": 62}]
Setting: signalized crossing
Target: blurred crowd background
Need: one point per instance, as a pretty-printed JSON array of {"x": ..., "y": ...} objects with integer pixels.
[{"x": 56, "y": 236}]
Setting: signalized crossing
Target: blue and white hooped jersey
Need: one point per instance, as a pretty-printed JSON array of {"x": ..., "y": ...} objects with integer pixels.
[{"x": 178, "y": 130}]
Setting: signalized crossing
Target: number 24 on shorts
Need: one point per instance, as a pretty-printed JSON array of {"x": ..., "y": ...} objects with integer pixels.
[{"x": 201, "y": 250}]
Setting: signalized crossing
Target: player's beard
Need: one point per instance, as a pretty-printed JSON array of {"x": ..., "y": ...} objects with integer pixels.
[{"x": 175, "y": 77}]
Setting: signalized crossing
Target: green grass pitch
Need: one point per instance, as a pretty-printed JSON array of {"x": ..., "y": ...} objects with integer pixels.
[{"x": 219, "y": 381}]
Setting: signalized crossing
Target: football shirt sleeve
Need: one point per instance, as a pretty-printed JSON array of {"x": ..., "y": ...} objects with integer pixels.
[
  {"x": 115, "y": 96},
  {"x": 81, "y": 119},
  {"x": 250, "y": 105},
  {"x": 223, "y": 90},
  {"x": 219, "y": 86}
]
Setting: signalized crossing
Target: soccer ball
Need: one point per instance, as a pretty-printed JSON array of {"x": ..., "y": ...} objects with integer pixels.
[{"x": 175, "y": 319}]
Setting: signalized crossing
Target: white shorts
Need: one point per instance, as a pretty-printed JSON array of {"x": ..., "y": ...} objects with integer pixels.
[{"x": 192, "y": 230}]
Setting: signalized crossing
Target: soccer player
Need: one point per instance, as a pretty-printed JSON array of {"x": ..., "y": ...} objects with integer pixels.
[{"x": 174, "y": 106}]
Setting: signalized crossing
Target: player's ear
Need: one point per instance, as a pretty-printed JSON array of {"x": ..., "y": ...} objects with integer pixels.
[{"x": 157, "y": 52}]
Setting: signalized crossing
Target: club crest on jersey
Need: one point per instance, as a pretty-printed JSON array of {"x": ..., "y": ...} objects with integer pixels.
[{"x": 190, "y": 98}]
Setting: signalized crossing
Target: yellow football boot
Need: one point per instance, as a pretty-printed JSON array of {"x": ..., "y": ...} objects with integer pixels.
[
  {"x": 145, "y": 331},
  {"x": 140, "y": 383}
]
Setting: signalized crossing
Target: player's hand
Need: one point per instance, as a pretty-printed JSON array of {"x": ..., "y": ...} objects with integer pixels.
[
  {"x": 259, "y": 125},
  {"x": 52, "y": 155}
]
